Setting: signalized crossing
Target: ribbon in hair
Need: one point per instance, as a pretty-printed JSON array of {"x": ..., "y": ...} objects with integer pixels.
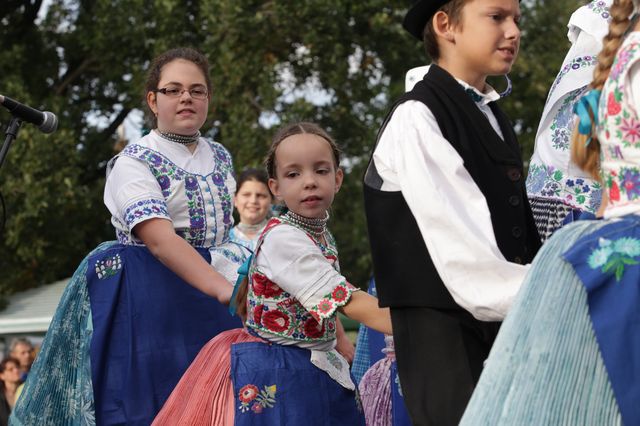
[
  {"x": 582, "y": 107},
  {"x": 243, "y": 272}
]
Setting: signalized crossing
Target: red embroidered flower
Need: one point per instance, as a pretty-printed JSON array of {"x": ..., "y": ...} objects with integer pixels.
[
  {"x": 340, "y": 294},
  {"x": 248, "y": 393},
  {"x": 613, "y": 107},
  {"x": 257, "y": 313},
  {"x": 313, "y": 329},
  {"x": 263, "y": 286},
  {"x": 614, "y": 192},
  {"x": 275, "y": 320},
  {"x": 325, "y": 306}
]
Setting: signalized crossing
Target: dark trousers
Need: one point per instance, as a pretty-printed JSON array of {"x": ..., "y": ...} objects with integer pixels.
[{"x": 440, "y": 354}]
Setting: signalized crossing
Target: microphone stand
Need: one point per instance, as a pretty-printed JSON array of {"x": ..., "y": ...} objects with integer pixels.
[{"x": 12, "y": 132}]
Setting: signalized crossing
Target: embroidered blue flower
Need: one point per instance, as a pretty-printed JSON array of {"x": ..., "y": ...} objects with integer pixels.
[{"x": 615, "y": 256}]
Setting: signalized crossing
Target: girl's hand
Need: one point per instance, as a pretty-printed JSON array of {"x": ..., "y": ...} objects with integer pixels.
[{"x": 343, "y": 344}]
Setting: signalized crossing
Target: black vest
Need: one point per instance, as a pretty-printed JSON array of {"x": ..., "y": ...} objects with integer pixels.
[{"x": 405, "y": 275}]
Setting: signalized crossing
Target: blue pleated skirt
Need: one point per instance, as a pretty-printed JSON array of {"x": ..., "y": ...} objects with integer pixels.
[
  {"x": 124, "y": 332},
  {"x": 545, "y": 367}
]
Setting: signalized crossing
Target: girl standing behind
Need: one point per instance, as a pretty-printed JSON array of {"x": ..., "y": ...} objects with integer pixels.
[
  {"x": 283, "y": 367},
  {"x": 253, "y": 201},
  {"x": 569, "y": 350}
]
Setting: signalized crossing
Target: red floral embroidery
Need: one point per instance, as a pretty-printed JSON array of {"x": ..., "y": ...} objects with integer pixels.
[
  {"x": 613, "y": 106},
  {"x": 248, "y": 393},
  {"x": 340, "y": 294},
  {"x": 257, "y": 313},
  {"x": 256, "y": 408},
  {"x": 275, "y": 320},
  {"x": 614, "y": 192},
  {"x": 313, "y": 328},
  {"x": 325, "y": 306},
  {"x": 263, "y": 286}
]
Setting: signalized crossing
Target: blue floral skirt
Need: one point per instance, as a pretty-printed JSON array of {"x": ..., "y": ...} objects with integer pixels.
[
  {"x": 124, "y": 332},
  {"x": 546, "y": 367},
  {"x": 278, "y": 385}
]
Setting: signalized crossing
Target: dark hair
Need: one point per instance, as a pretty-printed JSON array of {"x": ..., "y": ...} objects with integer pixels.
[
  {"x": 251, "y": 174},
  {"x": 302, "y": 127},
  {"x": 3, "y": 366},
  {"x": 453, "y": 9},
  {"x": 588, "y": 157},
  {"x": 186, "y": 53}
]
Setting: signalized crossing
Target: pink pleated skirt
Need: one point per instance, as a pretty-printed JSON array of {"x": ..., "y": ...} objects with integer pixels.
[{"x": 204, "y": 395}]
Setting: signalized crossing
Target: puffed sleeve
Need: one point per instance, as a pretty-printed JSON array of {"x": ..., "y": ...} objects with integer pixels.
[
  {"x": 132, "y": 194},
  {"x": 290, "y": 259}
]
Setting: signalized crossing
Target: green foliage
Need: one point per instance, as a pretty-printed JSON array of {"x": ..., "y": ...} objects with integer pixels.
[{"x": 339, "y": 63}]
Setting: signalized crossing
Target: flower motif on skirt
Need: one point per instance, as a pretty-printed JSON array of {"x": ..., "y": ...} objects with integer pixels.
[{"x": 255, "y": 400}]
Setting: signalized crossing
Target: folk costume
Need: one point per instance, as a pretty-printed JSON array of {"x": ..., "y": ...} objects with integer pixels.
[
  {"x": 451, "y": 232},
  {"x": 569, "y": 351},
  {"x": 559, "y": 191},
  {"x": 127, "y": 327},
  {"x": 283, "y": 368}
]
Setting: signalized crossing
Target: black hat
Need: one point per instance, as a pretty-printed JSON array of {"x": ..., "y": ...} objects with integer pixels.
[{"x": 417, "y": 17}]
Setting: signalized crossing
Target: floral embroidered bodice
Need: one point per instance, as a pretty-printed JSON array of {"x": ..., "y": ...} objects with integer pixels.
[
  {"x": 195, "y": 195},
  {"x": 276, "y": 312},
  {"x": 619, "y": 133}
]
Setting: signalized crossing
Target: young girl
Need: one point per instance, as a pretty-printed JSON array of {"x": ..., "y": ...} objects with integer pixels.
[
  {"x": 252, "y": 201},
  {"x": 569, "y": 350},
  {"x": 283, "y": 368},
  {"x": 136, "y": 312}
]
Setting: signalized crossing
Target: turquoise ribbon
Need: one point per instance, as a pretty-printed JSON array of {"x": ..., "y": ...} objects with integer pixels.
[
  {"x": 243, "y": 272},
  {"x": 581, "y": 108}
]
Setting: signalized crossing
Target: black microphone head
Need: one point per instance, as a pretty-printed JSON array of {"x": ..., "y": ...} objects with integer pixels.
[{"x": 50, "y": 122}]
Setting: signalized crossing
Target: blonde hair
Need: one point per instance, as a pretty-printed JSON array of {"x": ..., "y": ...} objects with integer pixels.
[{"x": 587, "y": 157}]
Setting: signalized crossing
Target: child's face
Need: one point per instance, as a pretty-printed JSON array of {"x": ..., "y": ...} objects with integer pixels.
[
  {"x": 183, "y": 115},
  {"x": 306, "y": 175},
  {"x": 252, "y": 201},
  {"x": 486, "y": 40}
]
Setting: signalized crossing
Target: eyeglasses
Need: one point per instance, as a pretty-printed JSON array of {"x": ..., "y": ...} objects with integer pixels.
[{"x": 175, "y": 92}]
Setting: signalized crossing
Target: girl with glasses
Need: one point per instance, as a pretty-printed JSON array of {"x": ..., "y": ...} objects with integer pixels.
[{"x": 137, "y": 311}]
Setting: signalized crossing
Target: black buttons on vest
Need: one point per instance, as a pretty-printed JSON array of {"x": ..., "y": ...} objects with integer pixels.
[
  {"x": 514, "y": 200},
  {"x": 516, "y": 231},
  {"x": 514, "y": 174}
]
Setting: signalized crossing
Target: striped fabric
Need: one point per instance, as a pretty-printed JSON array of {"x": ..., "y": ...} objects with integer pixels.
[
  {"x": 548, "y": 214},
  {"x": 545, "y": 367}
]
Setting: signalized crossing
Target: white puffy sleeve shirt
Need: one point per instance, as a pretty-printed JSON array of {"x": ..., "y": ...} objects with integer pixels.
[{"x": 412, "y": 156}]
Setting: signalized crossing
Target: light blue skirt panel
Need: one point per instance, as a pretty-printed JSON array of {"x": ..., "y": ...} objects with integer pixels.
[{"x": 545, "y": 367}]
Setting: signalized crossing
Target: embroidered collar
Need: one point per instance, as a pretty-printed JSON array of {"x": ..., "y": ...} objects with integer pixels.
[{"x": 477, "y": 96}]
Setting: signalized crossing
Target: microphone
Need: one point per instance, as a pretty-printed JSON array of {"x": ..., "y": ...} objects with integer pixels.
[{"x": 46, "y": 121}]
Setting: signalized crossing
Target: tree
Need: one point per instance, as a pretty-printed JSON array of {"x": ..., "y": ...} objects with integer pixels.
[{"x": 339, "y": 63}]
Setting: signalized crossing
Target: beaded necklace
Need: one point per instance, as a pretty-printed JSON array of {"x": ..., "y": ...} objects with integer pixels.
[
  {"x": 314, "y": 226},
  {"x": 251, "y": 229},
  {"x": 181, "y": 139}
]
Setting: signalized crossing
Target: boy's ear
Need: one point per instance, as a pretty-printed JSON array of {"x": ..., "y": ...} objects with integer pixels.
[
  {"x": 273, "y": 187},
  {"x": 339, "y": 178},
  {"x": 442, "y": 26}
]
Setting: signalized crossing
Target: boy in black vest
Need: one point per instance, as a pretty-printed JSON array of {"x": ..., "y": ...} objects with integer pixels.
[{"x": 450, "y": 226}]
